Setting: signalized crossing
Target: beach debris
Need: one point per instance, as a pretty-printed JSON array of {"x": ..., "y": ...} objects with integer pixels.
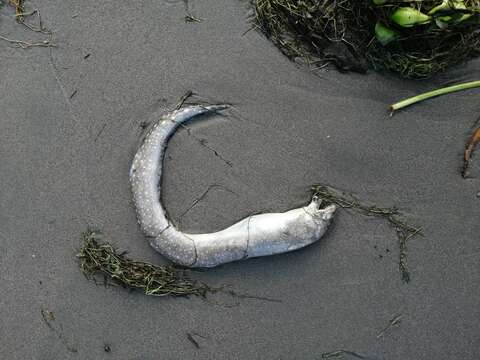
[
  {"x": 342, "y": 354},
  {"x": 114, "y": 268},
  {"x": 428, "y": 95},
  {"x": 47, "y": 316},
  {"x": 191, "y": 337},
  {"x": 191, "y": 18},
  {"x": 101, "y": 263},
  {"x": 237, "y": 295},
  {"x": 475, "y": 137},
  {"x": 413, "y": 38},
  {"x": 49, "y": 320},
  {"x": 469, "y": 148},
  {"x": 392, "y": 215},
  {"x": 193, "y": 341},
  {"x": 255, "y": 236},
  {"x": 395, "y": 321},
  {"x": 26, "y": 45},
  {"x": 19, "y": 9},
  {"x": 184, "y": 98},
  {"x": 21, "y": 15}
]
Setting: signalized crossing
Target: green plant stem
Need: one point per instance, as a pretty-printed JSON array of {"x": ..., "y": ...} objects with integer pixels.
[{"x": 431, "y": 94}]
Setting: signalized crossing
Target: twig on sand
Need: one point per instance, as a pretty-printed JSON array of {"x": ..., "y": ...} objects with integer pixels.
[
  {"x": 203, "y": 195},
  {"x": 469, "y": 148},
  {"x": 340, "y": 354},
  {"x": 428, "y": 95},
  {"x": 393, "y": 322},
  {"x": 26, "y": 45},
  {"x": 190, "y": 18},
  {"x": 188, "y": 15},
  {"x": 254, "y": 297},
  {"x": 191, "y": 337},
  {"x": 40, "y": 29},
  {"x": 193, "y": 341},
  {"x": 184, "y": 98},
  {"x": 49, "y": 319},
  {"x": 21, "y": 15}
]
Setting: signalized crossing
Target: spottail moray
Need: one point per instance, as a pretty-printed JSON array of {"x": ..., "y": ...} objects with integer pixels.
[{"x": 257, "y": 235}]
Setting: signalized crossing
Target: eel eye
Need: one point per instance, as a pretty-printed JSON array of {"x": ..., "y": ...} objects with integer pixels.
[{"x": 316, "y": 199}]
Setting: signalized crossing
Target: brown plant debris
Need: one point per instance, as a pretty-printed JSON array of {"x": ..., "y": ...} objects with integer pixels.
[
  {"x": 21, "y": 16},
  {"x": 193, "y": 341},
  {"x": 47, "y": 316},
  {"x": 395, "y": 321},
  {"x": 469, "y": 148},
  {"x": 340, "y": 354},
  {"x": 404, "y": 231},
  {"x": 191, "y": 337},
  {"x": 345, "y": 32},
  {"x": 19, "y": 9},
  {"x": 49, "y": 320},
  {"x": 192, "y": 18},
  {"x": 25, "y": 44},
  {"x": 102, "y": 259},
  {"x": 183, "y": 98},
  {"x": 102, "y": 263}
]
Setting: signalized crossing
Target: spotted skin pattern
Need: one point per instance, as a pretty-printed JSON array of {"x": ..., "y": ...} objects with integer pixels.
[{"x": 254, "y": 236}]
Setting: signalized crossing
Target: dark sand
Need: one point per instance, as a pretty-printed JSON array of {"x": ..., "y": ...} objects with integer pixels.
[{"x": 64, "y": 166}]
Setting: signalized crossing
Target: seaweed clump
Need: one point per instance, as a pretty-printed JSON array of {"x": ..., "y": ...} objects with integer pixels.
[
  {"x": 414, "y": 39},
  {"x": 102, "y": 259}
]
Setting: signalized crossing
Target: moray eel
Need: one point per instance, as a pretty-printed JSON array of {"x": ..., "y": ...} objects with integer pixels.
[{"x": 254, "y": 236}]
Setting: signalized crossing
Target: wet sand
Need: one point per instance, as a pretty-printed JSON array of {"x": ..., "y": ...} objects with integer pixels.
[{"x": 69, "y": 128}]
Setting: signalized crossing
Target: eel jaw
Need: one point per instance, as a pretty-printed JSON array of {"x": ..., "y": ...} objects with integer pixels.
[
  {"x": 315, "y": 209},
  {"x": 328, "y": 212}
]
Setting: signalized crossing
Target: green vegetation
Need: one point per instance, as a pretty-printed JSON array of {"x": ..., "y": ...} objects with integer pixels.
[
  {"x": 414, "y": 39},
  {"x": 428, "y": 95}
]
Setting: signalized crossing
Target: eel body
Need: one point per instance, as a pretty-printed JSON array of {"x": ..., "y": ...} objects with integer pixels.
[{"x": 254, "y": 236}]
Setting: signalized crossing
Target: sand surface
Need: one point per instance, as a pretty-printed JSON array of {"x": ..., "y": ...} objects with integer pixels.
[{"x": 69, "y": 125}]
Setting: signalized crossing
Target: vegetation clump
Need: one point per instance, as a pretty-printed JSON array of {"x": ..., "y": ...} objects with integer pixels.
[
  {"x": 414, "y": 39},
  {"x": 102, "y": 259}
]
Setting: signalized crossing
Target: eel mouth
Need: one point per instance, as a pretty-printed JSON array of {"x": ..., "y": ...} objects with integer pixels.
[
  {"x": 322, "y": 208},
  {"x": 321, "y": 204},
  {"x": 328, "y": 211}
]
